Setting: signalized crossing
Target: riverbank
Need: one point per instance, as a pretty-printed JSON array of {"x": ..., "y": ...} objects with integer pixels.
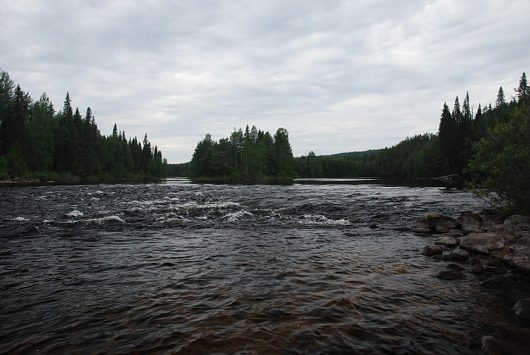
[
  {"x": 495, "y": 250},
  {"x": 69, "y": 179}
]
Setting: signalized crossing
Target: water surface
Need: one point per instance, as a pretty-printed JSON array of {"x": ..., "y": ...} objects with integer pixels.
[{"x": 186, "y": 268}]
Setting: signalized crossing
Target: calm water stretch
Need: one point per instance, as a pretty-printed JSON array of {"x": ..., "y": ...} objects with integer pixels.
[{"x": 179, "y": 267}]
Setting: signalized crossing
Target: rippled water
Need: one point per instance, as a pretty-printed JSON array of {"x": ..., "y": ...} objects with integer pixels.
[{"x": 187, "y": 268}]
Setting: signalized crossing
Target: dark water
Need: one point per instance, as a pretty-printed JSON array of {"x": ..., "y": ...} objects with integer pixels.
[{"x": 186, "y": 268}]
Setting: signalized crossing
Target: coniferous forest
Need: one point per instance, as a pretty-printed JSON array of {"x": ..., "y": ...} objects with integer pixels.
[
  {"x": 39, "y": 142},
  {"x": 488, "y": 149},
  {"x": 252, "y": 155},
  {"x": 448, "y": 152}
]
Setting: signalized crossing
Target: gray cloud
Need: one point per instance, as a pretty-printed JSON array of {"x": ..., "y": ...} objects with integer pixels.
[{"x": 339, "y": 75}]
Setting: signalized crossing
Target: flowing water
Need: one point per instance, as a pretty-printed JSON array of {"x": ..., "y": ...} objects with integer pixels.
[{"x": 187, "y": 268}]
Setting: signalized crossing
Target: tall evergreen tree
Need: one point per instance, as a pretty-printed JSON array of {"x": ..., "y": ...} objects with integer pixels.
[
  {"x": 523, "y": 91},
  {"x": 500, "y": 101}
]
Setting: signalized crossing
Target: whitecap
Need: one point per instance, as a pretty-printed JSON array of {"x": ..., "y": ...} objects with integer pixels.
[
  {"x": 322, "y": 220},
  {"x": 20, "y": 219},
  {"x": 106, "y": 219},
  {"x": 236, "y": 216},
  {"x": 74, "y": 213}
]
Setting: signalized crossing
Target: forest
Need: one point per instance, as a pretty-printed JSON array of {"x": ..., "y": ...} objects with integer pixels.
[
  {"x": 488, "y": 150},
  {"x": 38, "y": 142},
  {"x": 428, "y": 155},
  {"x": 249, "y": 156}
]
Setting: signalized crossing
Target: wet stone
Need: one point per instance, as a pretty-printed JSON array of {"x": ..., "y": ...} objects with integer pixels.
[
  {"x": 447, "y": 241},
  {"x": 431, "y": 250},
  {"x": 436, "y": 223},
  {"x": 482, "y": 242},
  {"x": 522, "y": 309},
  {"x": 458, "y": 255}
]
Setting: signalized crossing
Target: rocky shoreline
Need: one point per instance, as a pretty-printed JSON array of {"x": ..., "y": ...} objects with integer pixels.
[{"x": 492, "y": 247}]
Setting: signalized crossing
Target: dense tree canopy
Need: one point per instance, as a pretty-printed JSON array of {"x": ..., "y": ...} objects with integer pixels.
[
  {"x": 250, "y": 155},
  {"x": 35, "y": 140}
]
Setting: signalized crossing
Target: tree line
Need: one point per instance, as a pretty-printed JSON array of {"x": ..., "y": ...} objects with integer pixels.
[
  {"x": 489, "y": 148},
  {"x": 250, "y": 155},
  {"x": 37, "y": 141}
]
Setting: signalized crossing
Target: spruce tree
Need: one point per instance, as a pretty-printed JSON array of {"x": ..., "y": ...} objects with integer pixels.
[
  {"x": 523, "y": 91},
  {"x": 500, "y": 101}
]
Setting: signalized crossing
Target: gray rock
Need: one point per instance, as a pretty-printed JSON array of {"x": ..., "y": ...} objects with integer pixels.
[
  {"x": 458, "y": 255},
  {"x": 447, "y": 241},
  {"x": 517, "y": 219},
  {"x": 520, "y": 262},
  {"x": 522, "y": 309},
  {"x": 482, "y": 242},
  {"x": 471, "y": 222},
  {"x": 455, "y": 233},
  {"x": 431, "y": 250},
  {"x": 500, "y": 228},
  {"x": 436, "y": 223}
]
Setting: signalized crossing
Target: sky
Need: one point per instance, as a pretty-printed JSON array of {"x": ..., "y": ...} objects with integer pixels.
[{"x": 338, "y": 75}]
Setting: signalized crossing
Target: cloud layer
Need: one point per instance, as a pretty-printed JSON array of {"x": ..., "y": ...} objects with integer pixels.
[{"x": 339, "y": 75}]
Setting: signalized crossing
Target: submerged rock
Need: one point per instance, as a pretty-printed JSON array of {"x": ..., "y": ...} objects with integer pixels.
[
  {"x": 522, "y": 309},
  {"x": 455, "y": 267},
  {"x": 482, "y": 242},
  {"x": 431, "y": 250},
  {"x": 450, "y": 275},
  {"x": 458, "y": 255},
  {"x": 478, "y": 268},
  {"x": 492, "y": 346}
]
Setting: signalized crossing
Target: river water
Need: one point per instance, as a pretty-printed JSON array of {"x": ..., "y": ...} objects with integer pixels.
[{"x": 187, "y": 268}]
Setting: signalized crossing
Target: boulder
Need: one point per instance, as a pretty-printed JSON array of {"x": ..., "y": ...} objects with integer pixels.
[
  {"x": 522, "y": 309},
  {"x": 447, "y": 241},
  {"x": 520, "y": 262},
  {"x": 458, "y": 255},
  {"x": 455, "y": 233},
  {"x": 431, "y": 250},
  {"x": 517, "y": 219},
  {"x": 436, "y": 223},
  {"x": 482, "y": 242},
  {"x": 471, "y": 222}
]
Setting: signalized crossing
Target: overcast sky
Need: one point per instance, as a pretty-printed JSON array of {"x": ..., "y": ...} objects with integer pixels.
[{"x": 339, "y": 75}]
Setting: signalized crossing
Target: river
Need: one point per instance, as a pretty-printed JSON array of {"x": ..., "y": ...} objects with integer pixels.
[{"x": 188, "y": 268}]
